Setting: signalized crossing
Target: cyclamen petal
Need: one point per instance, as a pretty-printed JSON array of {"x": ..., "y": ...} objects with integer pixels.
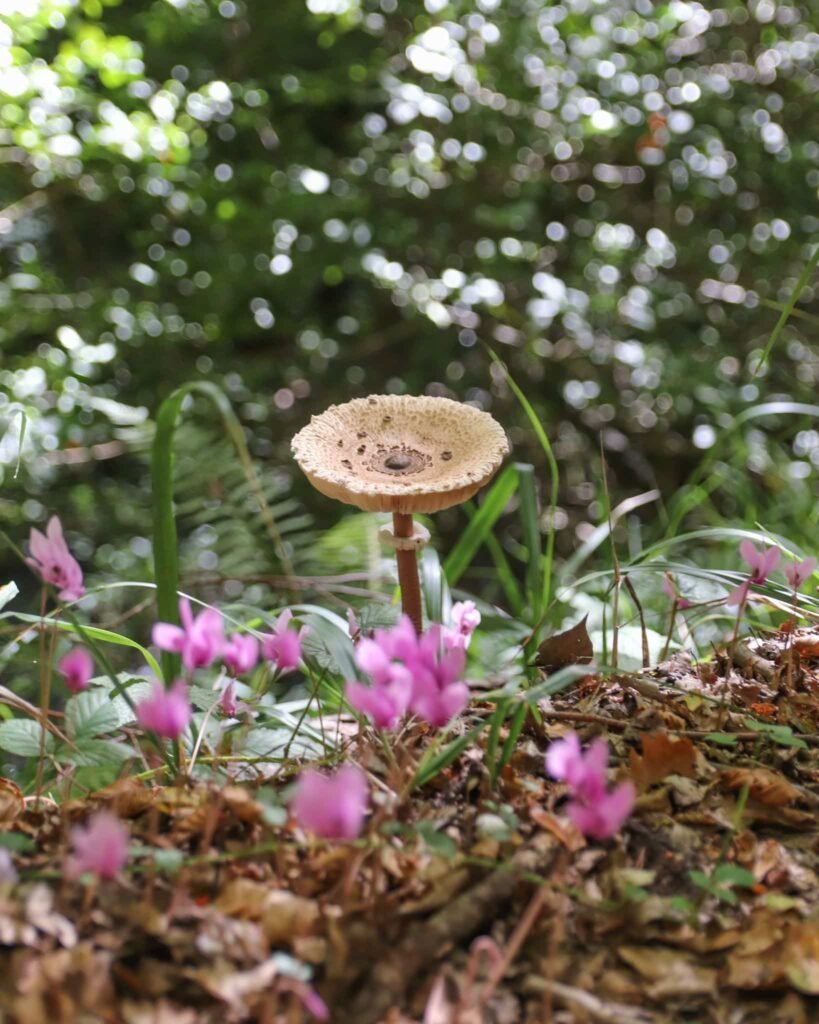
[
  {"x": 603, "y": 818},
  {"x": 284, "y": 645},
  {"x": 101, "y": 848},
  {"x": 165, "y": 712},
  {"x": 769, "y": 561},
  {"x": 798, "y": 573},
  {"x": 168, "y": 638},
  {"x": 464, "y": 619},
  {"x": 564, "y": 760},
  {"x": 383, "y": 706},
  {"x": 592, "y": 808},
  {"x": 241, "y": 653},
  {"x": 54, "y": 563},
  {"x": 739, "y": 594},
  {"x": 77, "y": 667},
  {"x": 332, "y": 807},
  {"x": 750, "y": 554},
  {"x": 200, "y": 639}
]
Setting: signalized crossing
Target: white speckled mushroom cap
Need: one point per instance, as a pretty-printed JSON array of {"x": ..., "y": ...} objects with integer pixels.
[{"x": 398, "y": 453}]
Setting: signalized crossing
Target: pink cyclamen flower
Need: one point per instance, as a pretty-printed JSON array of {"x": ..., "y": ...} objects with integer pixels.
[
  {"x": 438, "y": 690},
  {"x": 409, "y": 673},
  {"x": 227, "y": 701},
  {"x": 387, "y": 700},
  {"x": 165, "y": 712},
  {"x": 593, "y": 809},
  {"x": 200, "y": 639},
  {"x": 762, "y": 564},
  {"x": 798, "y": 573},
  {"x": 464, "y": 619},
  {"x": 241, "y": 653},
  {"x": 670, "y": 588},
  {"x": 332, "y": 807},
  {"x": 54, "y": 563},
  {"x": 283, "y": 645},
  {"x": 77, "y": 666},
  {"x": 101, "y": 848}
]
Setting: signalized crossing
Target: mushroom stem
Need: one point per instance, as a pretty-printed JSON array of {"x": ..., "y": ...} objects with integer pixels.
[{"x": 408, "y": 571}]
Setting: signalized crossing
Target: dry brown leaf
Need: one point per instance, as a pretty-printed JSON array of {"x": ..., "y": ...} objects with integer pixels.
[
  {"x": 572, "y": 647},
  {"x": 802, "y": 957},
  {"x": 662, "y": 755},
  {"x": 11, "y": 801},
  {"x": 286, "y": 917},
  {"x": 807, "y": 645},
  {"x": 669, "y": 972},
  {"x": 767, "y": 787},
  {"x": 162, "y": 1012}
]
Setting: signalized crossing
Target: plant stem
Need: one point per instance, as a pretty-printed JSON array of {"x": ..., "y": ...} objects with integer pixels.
[{"x": 408, "y": 571}]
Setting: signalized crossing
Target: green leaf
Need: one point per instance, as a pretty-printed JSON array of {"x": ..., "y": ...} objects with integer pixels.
[
  {"x": 90, "y": 713},
  {"x": 723, "y": 739},
  {"x": 732, "y": 874},
  {"x": 138, "y": 689},
  {"x": 328, "y": 640},
  {"x": 168, "y": 861},
  {"x": 781, "y": 734},
  {"x": 437, "y": 841},
  {"x": 95, "y": 753},
  {"x": 17, "y": 841},
  {"x": 23, "y": 737}
]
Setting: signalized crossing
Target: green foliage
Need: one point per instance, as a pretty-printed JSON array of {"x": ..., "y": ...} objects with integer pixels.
[
  {"x": 301, "y": 206},
  {"x": 722, "y": 881}
]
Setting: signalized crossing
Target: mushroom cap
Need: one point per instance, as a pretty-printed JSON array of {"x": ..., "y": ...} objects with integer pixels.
[{"x": 399, "y": 453}]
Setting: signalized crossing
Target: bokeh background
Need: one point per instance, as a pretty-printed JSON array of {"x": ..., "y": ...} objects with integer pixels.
[{"x": 311, "y": 200}]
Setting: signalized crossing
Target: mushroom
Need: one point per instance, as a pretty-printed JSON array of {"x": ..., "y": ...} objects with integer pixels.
[{"x": 401, "y": 454}]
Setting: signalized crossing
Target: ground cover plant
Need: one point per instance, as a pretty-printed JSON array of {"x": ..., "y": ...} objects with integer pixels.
[
  {"x": 408, "y": 512},
  {"x": 291, "y": 814}
]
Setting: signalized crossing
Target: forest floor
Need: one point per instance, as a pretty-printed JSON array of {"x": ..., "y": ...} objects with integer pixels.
[{"x": 477, "y": 906}]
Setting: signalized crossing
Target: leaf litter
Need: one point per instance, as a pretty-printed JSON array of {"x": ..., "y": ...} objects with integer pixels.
[{"x": 464, "y": 903}]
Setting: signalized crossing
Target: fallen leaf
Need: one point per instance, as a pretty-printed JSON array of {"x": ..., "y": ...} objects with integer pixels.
[
  {"x": 11, "y": 801},
  {"x": 662, "y": 755},
  {"x": 572, "y": 647},
  {"x": 767, "y": 787},
  {"x": 669, "y": 972},
  {"x": 807, "y": 645}
]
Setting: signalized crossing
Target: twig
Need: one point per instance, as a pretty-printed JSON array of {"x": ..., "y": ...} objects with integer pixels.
[
  {"x": 606, "y": 1013},
  {"x": 427, "y": 941},
  {"x": 630, "y": 588}
]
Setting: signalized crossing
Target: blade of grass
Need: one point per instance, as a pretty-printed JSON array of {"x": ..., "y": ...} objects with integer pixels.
[
  {"x": 95, "y": 632},
  {"x": 530, "y": 529},
  {"x": 515, "y": 728},
  {"x": 784, "y": 316},
  {"x": 481, "y": 525},
  {"x": 506, "y": 577},
  {"x": 554, "y": 472},
  {"x": 433, "y": 585},
  {"x": 435, "y": 760}
]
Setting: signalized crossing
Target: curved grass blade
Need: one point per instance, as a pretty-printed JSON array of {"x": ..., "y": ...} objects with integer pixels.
[
  {"x": 95, "y": 632},
  {"x": 804, "y": 277},
  {"x": 166, "y": 562},
  {"x": 481, "y": 524},
  {"x": 547, "y": 559}
]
